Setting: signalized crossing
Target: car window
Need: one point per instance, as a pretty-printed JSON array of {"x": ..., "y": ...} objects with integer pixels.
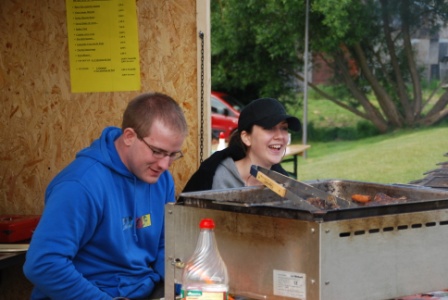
[
  {"x": 217, "y": 106},
  {"x": 237, "y": 105}
]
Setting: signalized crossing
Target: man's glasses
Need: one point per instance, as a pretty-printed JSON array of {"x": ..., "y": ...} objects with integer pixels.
[{"x": 159, "y": 154}]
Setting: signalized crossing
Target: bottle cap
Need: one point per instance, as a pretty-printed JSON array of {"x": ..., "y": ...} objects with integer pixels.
[
  {"x": 207, "y": 224},
  {"x": 221, "y": 135}
]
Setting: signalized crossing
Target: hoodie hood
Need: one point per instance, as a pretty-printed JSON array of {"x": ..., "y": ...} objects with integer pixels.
[{"x": 103, "y": 150}]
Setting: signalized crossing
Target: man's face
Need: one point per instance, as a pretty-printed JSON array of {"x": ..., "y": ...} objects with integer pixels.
[{"x": 151, "y": 155}]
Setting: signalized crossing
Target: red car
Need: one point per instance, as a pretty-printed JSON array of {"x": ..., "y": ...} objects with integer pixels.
[{"x": 225, "y": 113}]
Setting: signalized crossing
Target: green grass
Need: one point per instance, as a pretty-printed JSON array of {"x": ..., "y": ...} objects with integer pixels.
[{"x": 398, "y": 157}]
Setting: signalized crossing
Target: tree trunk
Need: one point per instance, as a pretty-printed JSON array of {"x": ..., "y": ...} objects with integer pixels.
[
  {"x": 417, "y": 89},
  {"x": 371, "y": 112},
  {"x": 398, "y": 80},
  {"x": 385, "y": 102},
  {"x": 440, "y": 104}
]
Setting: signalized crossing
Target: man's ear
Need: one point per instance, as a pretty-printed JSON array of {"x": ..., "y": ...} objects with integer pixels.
[{"x": 129, "y": 135}]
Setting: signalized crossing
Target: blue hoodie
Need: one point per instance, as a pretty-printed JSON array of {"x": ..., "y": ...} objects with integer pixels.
[{"x": 101, "y": 234}]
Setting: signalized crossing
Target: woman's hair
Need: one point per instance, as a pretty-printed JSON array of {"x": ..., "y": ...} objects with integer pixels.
[
  {"x": 236, "y": 141},
  {"x": 143, "y": 110}
]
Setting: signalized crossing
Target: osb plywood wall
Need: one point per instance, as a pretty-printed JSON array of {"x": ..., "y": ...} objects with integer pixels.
[{"x": 43, "y": 124}]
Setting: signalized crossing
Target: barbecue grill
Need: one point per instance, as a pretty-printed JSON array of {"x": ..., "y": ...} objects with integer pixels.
[{"x": 275, "y": 248}]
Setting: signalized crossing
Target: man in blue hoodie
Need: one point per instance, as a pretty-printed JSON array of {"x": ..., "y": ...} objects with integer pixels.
[{"x": 101, "y": 234}]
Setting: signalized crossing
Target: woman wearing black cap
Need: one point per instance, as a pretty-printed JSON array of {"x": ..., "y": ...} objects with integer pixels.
[{"x": 261, "y": 140}]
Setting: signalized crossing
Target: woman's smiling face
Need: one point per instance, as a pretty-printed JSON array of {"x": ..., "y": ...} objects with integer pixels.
[{"x": 266, "y": 146}]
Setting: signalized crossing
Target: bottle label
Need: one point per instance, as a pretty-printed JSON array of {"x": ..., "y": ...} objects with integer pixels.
[{"x": 200, "y": 295}]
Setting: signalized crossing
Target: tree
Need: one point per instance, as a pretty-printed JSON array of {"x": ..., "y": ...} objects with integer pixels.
[{"x": 257, "y": 47}]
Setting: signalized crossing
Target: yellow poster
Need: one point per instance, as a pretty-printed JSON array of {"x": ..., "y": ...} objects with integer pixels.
[{"x": 103, "y": 45}]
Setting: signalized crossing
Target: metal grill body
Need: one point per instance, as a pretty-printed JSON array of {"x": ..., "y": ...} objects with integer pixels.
[{"x": 275, "y": 251}]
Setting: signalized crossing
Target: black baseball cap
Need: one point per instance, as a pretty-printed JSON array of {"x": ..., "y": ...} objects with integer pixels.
[{"x": 266, "y": 112}]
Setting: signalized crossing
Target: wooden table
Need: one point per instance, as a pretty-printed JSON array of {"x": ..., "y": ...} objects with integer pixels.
[{"x": 291, "y": 154}]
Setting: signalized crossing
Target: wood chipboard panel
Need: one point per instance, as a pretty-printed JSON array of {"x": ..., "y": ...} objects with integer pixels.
[{"x": 43, "y": 124}]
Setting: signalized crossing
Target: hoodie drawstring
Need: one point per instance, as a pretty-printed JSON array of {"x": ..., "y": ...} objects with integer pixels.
[{"x": 135, "y": 212}]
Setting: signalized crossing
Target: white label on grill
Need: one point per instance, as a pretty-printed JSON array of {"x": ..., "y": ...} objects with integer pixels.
[{"x": 290, "y": 284}]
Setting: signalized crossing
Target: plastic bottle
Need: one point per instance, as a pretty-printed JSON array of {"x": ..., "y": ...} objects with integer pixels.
[
  {"x": 205, "y": 274},
  {"x": 221, "y": 142}
]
